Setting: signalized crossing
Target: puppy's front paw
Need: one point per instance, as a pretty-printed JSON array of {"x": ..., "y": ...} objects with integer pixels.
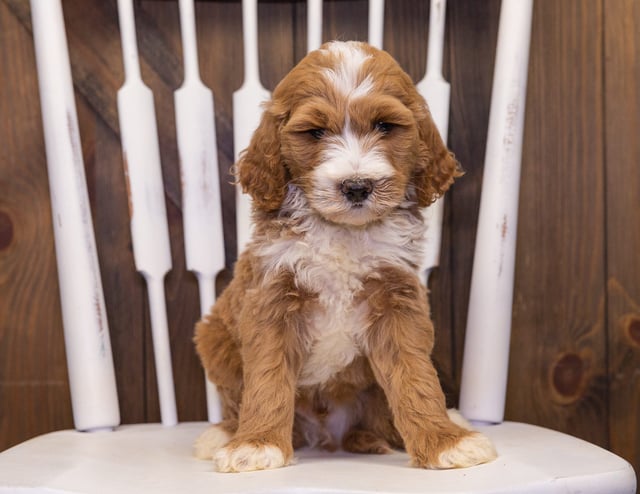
[
  {"x": 472, "y": 449},
  {"x": 247, "y": 457}
]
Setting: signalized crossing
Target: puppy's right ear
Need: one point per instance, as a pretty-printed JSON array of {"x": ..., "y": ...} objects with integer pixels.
[{"x": 260, "y": 170}]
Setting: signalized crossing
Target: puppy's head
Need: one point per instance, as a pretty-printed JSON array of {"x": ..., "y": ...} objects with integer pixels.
[{"x": 348, "y": 127}]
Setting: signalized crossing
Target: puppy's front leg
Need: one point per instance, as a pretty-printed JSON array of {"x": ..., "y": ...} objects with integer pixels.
[
  {"x": 270, "y": 328},
  {"x": 400, "y": 340}
]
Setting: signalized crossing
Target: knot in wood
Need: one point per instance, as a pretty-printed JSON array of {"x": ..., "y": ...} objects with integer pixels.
[
  {"x": 633, "y": 329},
  {"x": 568, "y": 377}
]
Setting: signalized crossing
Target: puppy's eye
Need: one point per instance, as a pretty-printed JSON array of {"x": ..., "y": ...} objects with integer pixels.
[
  {"x": 383, "y": 127},
  {"x": 316, "y": 133}
]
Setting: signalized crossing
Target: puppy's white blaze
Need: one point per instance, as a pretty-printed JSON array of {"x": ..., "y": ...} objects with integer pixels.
[
  {"x": 469, "y": 451},
  {"x": 346, "y": 157},
  {"x": 345, "y": 77},
  {"x": 344, "y": 49},
  {"x": 362, "y": 89},
  {"x": 247, "y": 458},
  {"x": 210, "y": 441}
]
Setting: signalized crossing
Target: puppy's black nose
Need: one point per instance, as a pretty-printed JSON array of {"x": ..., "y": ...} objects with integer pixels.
[{"x": 357, "y": 190}]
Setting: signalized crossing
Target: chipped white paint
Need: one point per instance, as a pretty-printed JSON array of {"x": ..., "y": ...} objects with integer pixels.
[
  {"x": 86, "y": 332},
  {"x": 202, "y": 210},
  {"x": 149, "y": 229},
  {"x": 376, "y": 23},
  {"x": 486, "y": 352},
  {"x": 247, "y": 111},
  {"x": 314, "y": 24},
  {"x": 436, "y": 90}
]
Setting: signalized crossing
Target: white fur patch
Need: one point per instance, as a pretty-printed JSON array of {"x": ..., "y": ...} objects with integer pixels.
[
  {"x": 247, "y": 458},
  {"x": 347, "y": 156},
  {"x": 210, "y": 441},
  {"x": 471, "y": 450},
  {"x": 345, "y": 76},
  {"x": 456, "y": 417},
  {"x": 336, "y": 342}
]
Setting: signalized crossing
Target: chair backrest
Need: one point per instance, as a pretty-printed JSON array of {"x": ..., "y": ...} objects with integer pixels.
[{"x": 86, "y": 333}]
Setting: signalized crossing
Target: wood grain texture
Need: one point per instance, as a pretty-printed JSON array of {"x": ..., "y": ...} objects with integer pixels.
[
  {"x": 558, "y": 372},
  {"x": 34, "y": 391},
  {"x": 472, "y": 35},
  {"x": 576, "y": 341},
  {"x": 622, "y": 118},
  {"x": 346, "y": 20}
]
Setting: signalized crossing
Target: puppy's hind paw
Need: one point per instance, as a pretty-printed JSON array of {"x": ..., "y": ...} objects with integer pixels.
[
  {"x": 472, "y": 449},
  {"x": 248, "y": 457},
  {"x": 210, "y": 441}
]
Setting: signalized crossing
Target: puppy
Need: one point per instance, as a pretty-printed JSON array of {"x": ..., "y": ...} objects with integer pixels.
[{"x": 323, "y": 336}]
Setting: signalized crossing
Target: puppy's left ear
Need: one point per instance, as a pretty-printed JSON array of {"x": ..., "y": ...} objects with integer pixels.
[{"x": 437, "y": 167}]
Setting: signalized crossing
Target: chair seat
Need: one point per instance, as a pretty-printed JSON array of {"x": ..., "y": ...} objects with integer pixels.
[{"x": 152, "y": 458}]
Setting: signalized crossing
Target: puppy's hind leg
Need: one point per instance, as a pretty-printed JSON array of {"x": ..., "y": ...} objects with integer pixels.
[
  {"x": 219, "y": 353},
  {"x": 375, "y": 432},
  {"x": 222, "y": 362},
  {"x": 362, "y": 441}
]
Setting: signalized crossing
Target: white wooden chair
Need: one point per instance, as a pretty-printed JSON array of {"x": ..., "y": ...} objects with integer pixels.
[{"x": 157, "y": 457}]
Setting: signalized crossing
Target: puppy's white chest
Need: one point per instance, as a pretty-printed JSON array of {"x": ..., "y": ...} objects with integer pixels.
[
  {"x": 338, "y": 322},
  {"x": 333, "y": 262}
]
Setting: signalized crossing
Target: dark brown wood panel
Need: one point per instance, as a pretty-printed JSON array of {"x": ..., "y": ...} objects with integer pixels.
[
  {"x": 622, "y": 118},
  {"x": 472, "y": 35},
  {"x": 34, "y": 392},
  {"x": 347, "y": 20},
  {"x": 558, "y": 372}
]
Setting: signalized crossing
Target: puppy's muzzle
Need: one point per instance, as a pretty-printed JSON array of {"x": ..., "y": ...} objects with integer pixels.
[{"x": 356, "y": 190}]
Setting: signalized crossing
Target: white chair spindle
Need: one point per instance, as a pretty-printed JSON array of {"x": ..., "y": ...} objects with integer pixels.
[
  {"x": 376, "y": 23},
  {"x": 88, "y": 348},
  {"x": 437, "y": 91},
  {"x": 149, "y": 229},
  {"x": 247, "y": 111},
  {"x": 486, "y": 351},
  {"x": 202, "y": 210},
  {"x": 314, "y": 24}
]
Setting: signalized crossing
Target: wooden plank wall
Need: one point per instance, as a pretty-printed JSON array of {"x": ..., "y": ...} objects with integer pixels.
[{"x": 576, "y": 339}]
